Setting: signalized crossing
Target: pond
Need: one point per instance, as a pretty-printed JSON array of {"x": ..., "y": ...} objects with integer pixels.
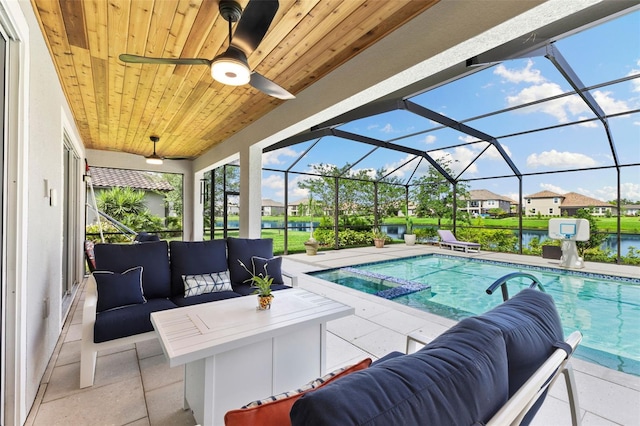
[{"x": 397, "y": 232}]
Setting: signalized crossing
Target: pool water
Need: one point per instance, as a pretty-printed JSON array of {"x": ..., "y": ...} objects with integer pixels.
[{"x": 605, "y": 309}]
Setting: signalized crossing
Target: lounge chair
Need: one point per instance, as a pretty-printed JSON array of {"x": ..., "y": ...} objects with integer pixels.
[{"x": 448, "y": 240}]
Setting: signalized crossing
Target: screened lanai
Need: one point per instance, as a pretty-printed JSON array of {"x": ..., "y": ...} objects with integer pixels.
[{"x": 562, "y": 115}]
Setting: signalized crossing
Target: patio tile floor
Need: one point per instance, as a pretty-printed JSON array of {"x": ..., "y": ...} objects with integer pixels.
[{"x": 135, "y": 386}]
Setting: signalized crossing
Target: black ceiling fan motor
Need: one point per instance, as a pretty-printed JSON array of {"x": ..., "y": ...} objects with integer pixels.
[{"x": 230, "y": 10}]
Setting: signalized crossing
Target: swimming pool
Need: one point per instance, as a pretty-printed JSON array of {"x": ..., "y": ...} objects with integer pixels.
[{"x": 604, "y": 308}]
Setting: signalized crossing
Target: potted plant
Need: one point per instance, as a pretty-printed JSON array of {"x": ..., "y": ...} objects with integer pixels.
[
  {"x": 311, "y": 245},
  {"x": 262, "y": 283},
  {"x": 378, "y": 237},
  {"x": 409, "y": 236}
]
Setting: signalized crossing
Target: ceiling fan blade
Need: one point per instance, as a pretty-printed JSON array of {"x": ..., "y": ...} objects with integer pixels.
[
  {"x": 253, "y": 25},
  {"x": 267, "y": 86},
  {"x": 135, "y": 59}
]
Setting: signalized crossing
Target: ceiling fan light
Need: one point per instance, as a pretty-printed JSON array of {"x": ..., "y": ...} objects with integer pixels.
[
  {"x": 154, "y": 159},
  {"x": 231, "y": 68}
]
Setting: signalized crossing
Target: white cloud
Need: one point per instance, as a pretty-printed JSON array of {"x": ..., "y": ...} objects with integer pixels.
[
  {"x": 388, "y": 128},
  {"x": 458, "y": 159},
  {"x": 635, "y": 82},
  {"x": 467, "y": 139},
  {"x": 558, "y": 159},
  {"x": 406, "y": 170},
  {"x": 559, "y": 108},
  {"x": 275, "y": 157},
  {"x": 525, "y": 75},
  {"x": 608, "y": 104},
  {"x": 273, "y": 181},
  {"x": 429, "y": 139},
  {"x": 493, "y": 154},
  {"x": 628, "y": 190},
  {"x": 588, "y": 124},
  {"x": 553, "y": 188}
]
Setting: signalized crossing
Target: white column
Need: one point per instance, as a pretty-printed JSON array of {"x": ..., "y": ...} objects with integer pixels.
[
  {"x": 194, "y": 228},
  {"x": 250, "y": 191}
]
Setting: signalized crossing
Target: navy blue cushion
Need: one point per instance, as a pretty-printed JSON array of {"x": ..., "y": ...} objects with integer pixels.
[
  {"x": 195, "y": 257},
  {"x": 460, "y": 378},
  {"x": 244, "y": 249},
  {"x": 272, "y": 267},
  {"x": 203, "y": 298},
  {"x": 152, "y": 256},
  {"x": 531, "y": 325},
  {"x": 387, "y": 357},
  {"x": 116, "y": 290},
  {"x": 127, "y": 321}
]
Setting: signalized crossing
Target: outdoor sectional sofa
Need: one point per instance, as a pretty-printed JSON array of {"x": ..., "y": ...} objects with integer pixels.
[
  {"x": 133, "y": 280},
  {"x": 491, "y": 369}
]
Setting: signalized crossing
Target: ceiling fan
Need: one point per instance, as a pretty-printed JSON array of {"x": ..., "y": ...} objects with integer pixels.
[
  {"x": 157, "y": 159},
  {"x": 232, "y": 67}
]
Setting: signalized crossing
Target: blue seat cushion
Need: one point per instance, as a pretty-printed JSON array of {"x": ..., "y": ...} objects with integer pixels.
[
  {"x": 531, "y": 326},
  {"x": 387, "y": 357},
  {"x": 195, "y": 257},
  {"x": 152, "y": 256},
  {"x": 244, "y": 249},
  {"x": 127, "y": 321},
  {"x": 460, "y": 378},
  {"x": 246, "y": 289},
  {"x": 203, "y": 298}
]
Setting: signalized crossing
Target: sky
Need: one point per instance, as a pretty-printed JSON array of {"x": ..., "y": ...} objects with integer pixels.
[{"x": 598, "y": 55}]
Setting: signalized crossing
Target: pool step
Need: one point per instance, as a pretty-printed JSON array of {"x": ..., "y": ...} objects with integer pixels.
[{"x": 399, "y": 286}]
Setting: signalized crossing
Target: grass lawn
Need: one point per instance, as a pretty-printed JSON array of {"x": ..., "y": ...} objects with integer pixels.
[
  {"x": 296, "y": 239},
  {"x": 628, "y": 224}
]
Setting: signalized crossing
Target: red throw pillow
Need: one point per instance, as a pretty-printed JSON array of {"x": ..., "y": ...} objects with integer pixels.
[{"x": 274, "y": 411}]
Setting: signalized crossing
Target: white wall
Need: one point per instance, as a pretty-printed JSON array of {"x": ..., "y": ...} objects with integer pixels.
[{"x": 48, "y": 118}]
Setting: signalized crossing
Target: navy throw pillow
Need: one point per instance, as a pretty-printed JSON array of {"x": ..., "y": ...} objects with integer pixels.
[
  {"x": 273, "y": 268},
  {"x": 116, "y": 290},
  {"x": 244, "y": 249},
  {"x": 153, "y": 257}
]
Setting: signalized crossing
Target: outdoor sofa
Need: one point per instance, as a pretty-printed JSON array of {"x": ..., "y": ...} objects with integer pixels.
[
  {"x": 491, "y": 369},
  {"x": 131, "y": 281}
]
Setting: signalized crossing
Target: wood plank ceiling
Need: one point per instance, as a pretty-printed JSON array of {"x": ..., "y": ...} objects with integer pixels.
[{"x": 117, "y": 106}]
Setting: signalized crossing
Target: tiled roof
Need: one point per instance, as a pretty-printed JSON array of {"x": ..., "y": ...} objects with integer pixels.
[
  {"x": 483, "y": 194},
  {"x": 572, "y": 199},
  {"x": 267, "y": 202},
  {"x": 298, "y": 202},
  {"x": 544, "y": 194},
  {"x": 103, "y": 177}
]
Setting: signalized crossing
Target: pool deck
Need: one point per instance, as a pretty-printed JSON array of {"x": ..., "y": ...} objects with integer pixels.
[{"x": 135, "y": 386}]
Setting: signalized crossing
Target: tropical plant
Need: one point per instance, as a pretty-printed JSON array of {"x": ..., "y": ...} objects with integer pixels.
[
  {"x": 434, "y": 194},
  {"x": 261, "y": 282},
  {"x": 377, "y": 234},
  {"x": 596, "y": 238},
  {"x": 118, "y": 202},
  {"x": 409, "y": 225}
]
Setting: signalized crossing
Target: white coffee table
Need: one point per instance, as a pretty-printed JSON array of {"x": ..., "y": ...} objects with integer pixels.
[{"x": 235, "y": 354}]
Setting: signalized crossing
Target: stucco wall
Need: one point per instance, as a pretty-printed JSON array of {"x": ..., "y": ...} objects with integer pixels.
[{"x": 48, "y": 117}]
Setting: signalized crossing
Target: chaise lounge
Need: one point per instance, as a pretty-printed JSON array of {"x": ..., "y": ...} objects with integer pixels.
[{"x": 448, "y": 240}]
